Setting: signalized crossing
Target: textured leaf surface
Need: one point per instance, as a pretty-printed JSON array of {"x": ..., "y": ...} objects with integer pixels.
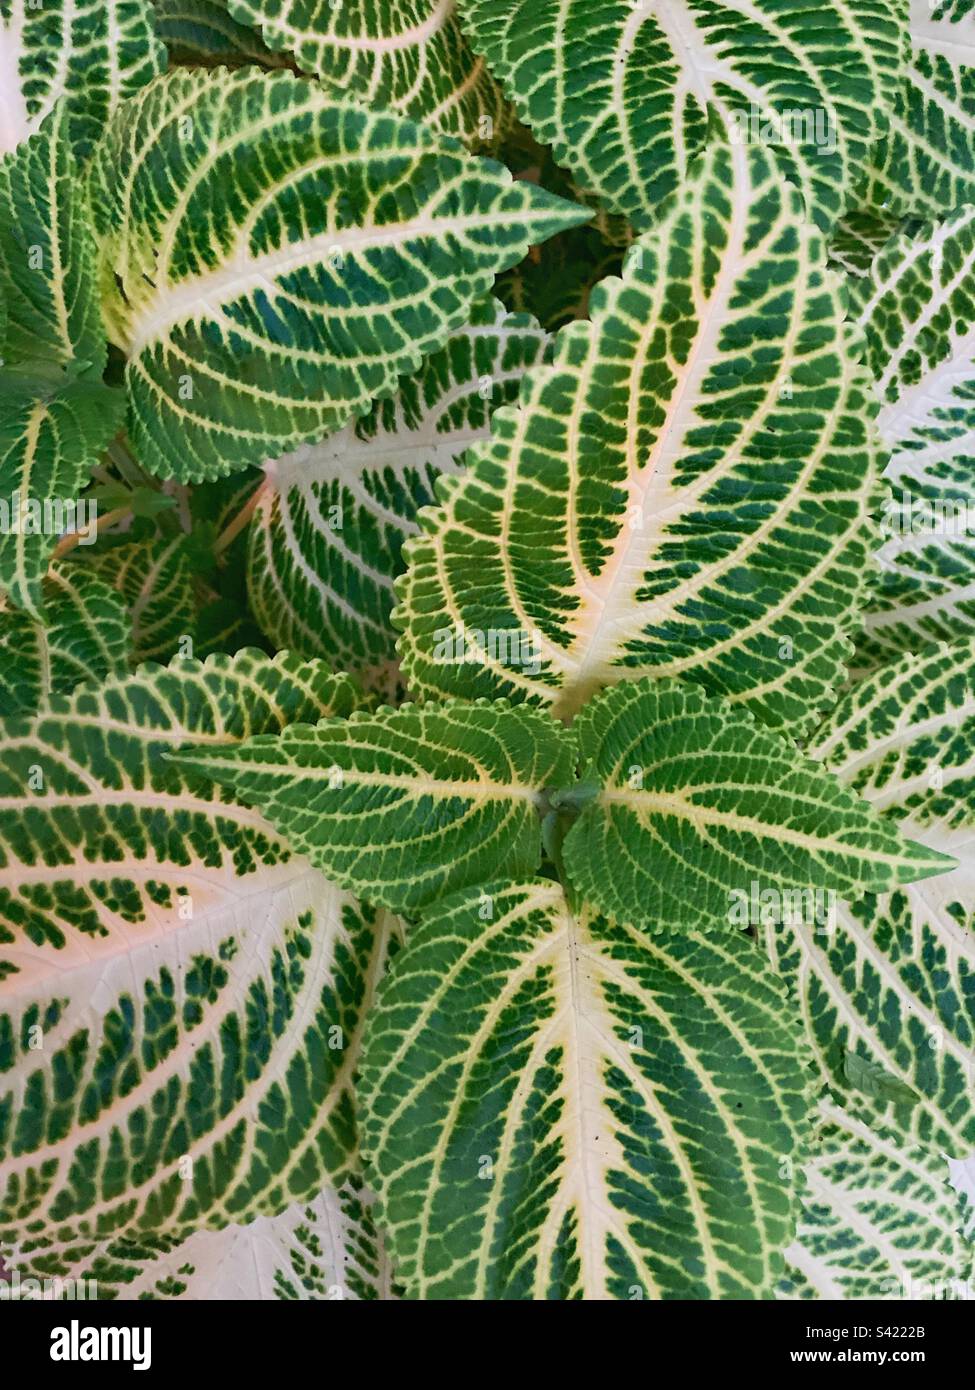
[
  {"x": 917, "y": 310},
  {"x": 407, "y": 804},
  {"x": 683, "y": 492},
  {"x": 203, "y": 31},
  {"x": 556, "y": 1107},
  {"x": 408, "y": 56},
  {"x": 624, "y": 91},
  {"x": 182, "y": 995},
  {"x": 697, "y": 804},
  {"x": 879, "y": 1220},
  {"x": 326, "y": 540},
  {"x": 84, "y": 637},
  {"x": 50, "y": 438},
  {"x": 47, "y": 257},
  {"x": 283, "y": 256},
  {"x": 154, "y": 579},
  {"x": 895, "y": 981},
  {"x": 926, "y": 161},
  {"x": 89, "y": 53},
  {"x": 324, "y": 1249}
]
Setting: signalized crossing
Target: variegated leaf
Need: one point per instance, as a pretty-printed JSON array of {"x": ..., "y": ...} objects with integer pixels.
[
  {"x": 154, "y": 579},
  {"x": 326, "y": 540},
  {"x": 892, "y": 979},
  {"x": 408, "y": 56},
  {"x": 405, "y": 805},
  {"x": 685, "y": 491},
  {"x": 697, "y": 804},
  {"x": 204, "y": 31},
  {"x": 84, "y": 638},
  {"x": 89, "y": 53},
  {"x": 555, "y": 1107},
  {"x": 917, "y": 310},
  {"x": 629, "y": 91},
  {"x": 878, "y": 1220},
  {"x": 350, "y": 244},
  {"x": 181, "y": 995}
]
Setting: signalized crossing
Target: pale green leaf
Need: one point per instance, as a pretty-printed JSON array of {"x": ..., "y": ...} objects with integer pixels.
[
  {"x": 917, "y": 311},
  {"x": 699, "y": 808},
  {"x": 404, "y": 805},
  {"x": 556, "y": 1107},
  {"x": 284, "y": 256},
  {"x": 90, "y": 53},
  {"x": 893, "y": 977},
  {"x": 686, "y": 491},
  {"x": 327, "y": 535},
  {"x": 878, "y": 1221}
]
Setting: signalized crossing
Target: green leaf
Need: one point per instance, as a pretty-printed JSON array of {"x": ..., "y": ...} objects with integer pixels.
[
  {"x": 327, "y": 536},
  {"x": 558, "y": 1107},
  {"x": 926, "y": 161},
  {"x": 90, "y": 54},
  {"x": 50, "y": 438},
  {"x": 893, "y": 981},
  {"x": 701, "y": 813},
  {"x": 155, "y": 580},
  {"x": 685, "y": 491},
  {"x": 182, "y": 995},
  {"x": 407, "y": 56},
  {"x": 85, "y": 637},
  {"x": 404, "y": 805},
  {"x": 917, "y": 312},
  {"x": 873, "y": 1081},
  {"x": 47, "y": 257},
  {"x": 201, "y": 31},
  {"x": 878, "y": 1221},
  {"x": 324, "y": 1249},
  {"x": 351, "y": 244},
  {"x": 628, "y": 94}
]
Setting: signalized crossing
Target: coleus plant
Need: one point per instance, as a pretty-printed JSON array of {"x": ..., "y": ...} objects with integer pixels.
[{"x": 486, "y": 810}]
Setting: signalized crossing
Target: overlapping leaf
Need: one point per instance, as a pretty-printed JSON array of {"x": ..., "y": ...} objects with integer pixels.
[
  {"x": 203, "y": 31},
  {"x": 555, "y": 1107},
  {"x": 182, "y": 995},
  {"x": 624, "y": 92},
  {"x": 282, "y": 256},
  {"x": 878, "y": 1221},
  {"x": 405, "y": 805},
  {"x": 685, "y": 491},
  {"x": 84, "y": 638},
  {"x": 917, "y": 310},
  {"x": 894, "y": 982},
  {"x": 408, "y": 56},
  {"x": 326, "y": 539},
  {"x": 700, "y": 811},
  {"x": 87, "y": 53}
]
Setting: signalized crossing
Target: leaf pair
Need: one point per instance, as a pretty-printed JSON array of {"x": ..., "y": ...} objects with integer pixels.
[{"x": 405, "y": 806}]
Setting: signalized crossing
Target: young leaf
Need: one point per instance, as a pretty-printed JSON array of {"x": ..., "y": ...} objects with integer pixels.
[
  {"x": 84, "y": 637},
  {"x": 404, "y": 805},
  {"x": 555, "y": 1107},
  {"x": 878, "y": 1220},
  {"x": 47, "y": 257},
  {"x": 327, "y": 535},
  {"x": 625, "y": 92},
  {"x": 350, "y": 244},
  {"x": 182, "y": 995},
  {"x": 918, "y": 315},
  {"x": 87, "y": 53},
  {"x": 697, "y": 805},
  {"x": 894, "y": 981},
  {"x": 408, "y": 56},
  {"x": 685, "y": 491},
  {"x": 51, "y": 435}
]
